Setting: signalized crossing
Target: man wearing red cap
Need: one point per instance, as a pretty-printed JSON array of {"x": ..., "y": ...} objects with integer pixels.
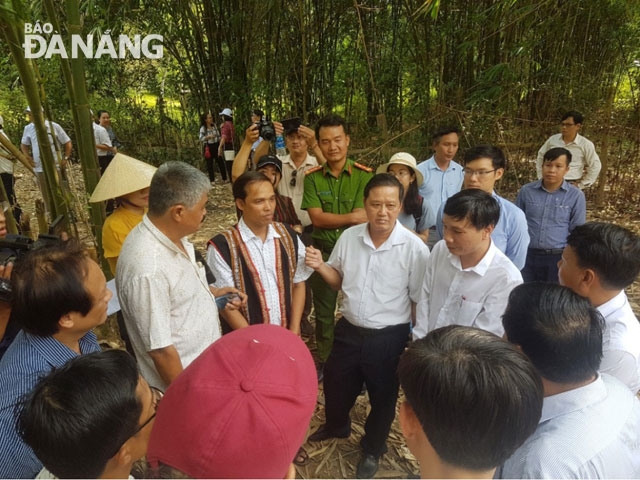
[
  {"x": 240, "y": 410},
  {"x": 379, "y": 266}
]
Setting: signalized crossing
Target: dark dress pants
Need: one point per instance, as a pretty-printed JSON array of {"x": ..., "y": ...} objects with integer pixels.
[
  {"x": 370, "y": 356},
  {"x": 541, "y": 268}
]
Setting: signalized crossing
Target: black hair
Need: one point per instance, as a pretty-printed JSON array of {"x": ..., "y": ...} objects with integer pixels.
[
  {"x": 203, "y": 119},
  {"x": 560, "y": 331},
  {"x": 383, "y": 180},
  {"x": 79, "y": 415},
  {"x": 442, "y": 131},
  {"x": 477, "y": 205},
  {"x": 227, "y": 118},
  {"x": 476, "y": 396},
  {"x": 258, "y": 112},
  {"x": 577, "y": 116},
  {"x": 498, "y": 160},
  {"x": 413, "y": 201},
  {"x": 556, "y": 152},
  {"x": 100, "y": 112},
  {"x": 331, "y": 121},
  {"x": 613, "y": 252},
  {"x": 46, "y": 284},
  {"x": 239, "y": 187}
]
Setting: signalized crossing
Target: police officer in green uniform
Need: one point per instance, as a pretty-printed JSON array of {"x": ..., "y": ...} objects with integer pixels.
[{"x": 334, "y": 198}]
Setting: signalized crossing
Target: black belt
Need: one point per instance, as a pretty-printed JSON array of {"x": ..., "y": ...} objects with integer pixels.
[
  {"x": 370, "y": 332},
  {"x": 546, "y": 251}
]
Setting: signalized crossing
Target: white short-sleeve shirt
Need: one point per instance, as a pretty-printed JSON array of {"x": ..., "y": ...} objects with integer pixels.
[
  {"x": 29, "y": 137},
  {"x": 379, "y": 284},
  {"x": 165, "y": 298},
  {"x": 473, "y": 297},
  {"x": 102, "y": 138}
]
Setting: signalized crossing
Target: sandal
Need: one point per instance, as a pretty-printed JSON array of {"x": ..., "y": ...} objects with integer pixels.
[{"x": 302, "y": 457}]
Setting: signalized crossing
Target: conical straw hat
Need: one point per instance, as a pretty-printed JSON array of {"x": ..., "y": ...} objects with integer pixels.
[{"x": 123, "y": 175}]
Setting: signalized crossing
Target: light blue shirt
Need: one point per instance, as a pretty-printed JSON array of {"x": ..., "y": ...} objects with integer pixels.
[
  {"x": 511, "y": 233},
  {"x": 551, "y": 216},
  {"x": 427, "y": 218},
  {"x": 439, "y": 185},
  {"x": 589, "y": 432}
]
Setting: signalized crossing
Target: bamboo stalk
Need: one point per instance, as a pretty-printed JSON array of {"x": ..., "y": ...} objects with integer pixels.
[
  {"x": 13, "y": 150},
  {"x": 86, "y": 142},
  {"x": 13, "y": 35},
  {"x": 12, "y": 227}
]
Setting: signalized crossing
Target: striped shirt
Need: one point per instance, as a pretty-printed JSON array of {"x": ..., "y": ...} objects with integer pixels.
[
  {"x": 29, "y": 358},
  {"x": 588, "y": 432}
]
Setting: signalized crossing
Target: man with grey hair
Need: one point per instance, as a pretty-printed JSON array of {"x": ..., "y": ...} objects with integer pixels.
[{"x": 168, "y": 306}]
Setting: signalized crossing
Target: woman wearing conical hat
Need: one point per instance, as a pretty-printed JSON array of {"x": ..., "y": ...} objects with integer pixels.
[{"x": 127, "y": 180}]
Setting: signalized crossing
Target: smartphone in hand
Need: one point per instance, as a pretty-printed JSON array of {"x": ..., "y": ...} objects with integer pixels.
[{"x": 221, "y": 302}]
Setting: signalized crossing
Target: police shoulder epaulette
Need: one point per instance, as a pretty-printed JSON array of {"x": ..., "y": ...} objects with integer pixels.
[
  {"x": 362, "y": 167},
  {"x": 314, "y": 169}
]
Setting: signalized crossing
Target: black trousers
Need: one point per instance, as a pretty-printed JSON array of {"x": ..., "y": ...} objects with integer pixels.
[
  {"x": 8, "y": 182},
  {"x": 104, "y": 161},
  {"x": 213, "y": 148},
  {"x": 370, "y": 356},
  {"x": 541, "y": 268}
]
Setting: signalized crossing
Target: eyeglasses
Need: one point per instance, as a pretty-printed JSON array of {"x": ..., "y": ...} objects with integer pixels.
[
  {"x": 566, "y": 124},
  {"x": 157, "y": 396},
  {"x": 481, "y": 173},
  {"x": 293, "y": 178}
]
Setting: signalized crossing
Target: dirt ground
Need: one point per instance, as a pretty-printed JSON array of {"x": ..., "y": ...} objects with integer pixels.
[{"x": 333, "y": 458}]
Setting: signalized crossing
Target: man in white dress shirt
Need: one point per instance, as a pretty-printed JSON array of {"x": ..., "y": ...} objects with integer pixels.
[
  {"x": 58, "y": 141},
  {"x": 379, "y": 266},
  {"x": 168, "y": 306},
  {"x": 590, "y": 424},
  {"x": 263, "y": 258},
  {"x": 585, "y": 163},
  {"x": 468, "y": 280},
  {"x": 599, "y": 262}
]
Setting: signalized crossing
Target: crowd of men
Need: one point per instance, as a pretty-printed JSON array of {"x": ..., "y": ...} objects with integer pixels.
[{"x": 508, "y": 329}]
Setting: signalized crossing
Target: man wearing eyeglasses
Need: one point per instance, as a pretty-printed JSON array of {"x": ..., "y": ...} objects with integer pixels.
[
  {"x": 91, "y": 418},
  {"x": 585, "y": 163},
  {"x": 484, "y": 165}
]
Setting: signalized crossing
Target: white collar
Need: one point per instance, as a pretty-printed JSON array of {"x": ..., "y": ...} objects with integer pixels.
[
  {"x": 481, "y": 267},
  {"x": 247, "y": 234},
  {"x": 164, "y": 240},
  {"x": 287, "y": 160},
  {"x": 395, "y": 238},
  {"x": 616, "y": 303},
  {"x": 573, "y": 400}
]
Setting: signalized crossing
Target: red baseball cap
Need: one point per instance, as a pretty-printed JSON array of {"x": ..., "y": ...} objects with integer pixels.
[{"x": 240, "y": 410}]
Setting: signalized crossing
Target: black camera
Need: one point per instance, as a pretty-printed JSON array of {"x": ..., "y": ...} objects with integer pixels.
[
  {"x": 13, "y": 248},
  {"x": 266, "y": 129}
]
